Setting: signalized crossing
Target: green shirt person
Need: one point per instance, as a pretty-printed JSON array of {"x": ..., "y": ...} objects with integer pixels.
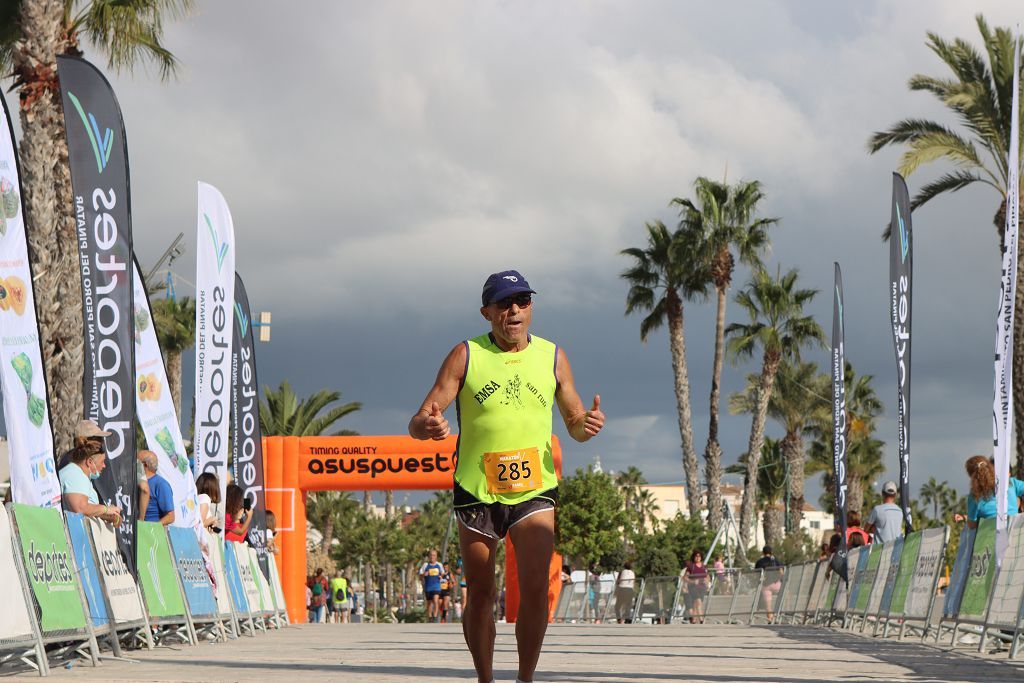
[{"x": 505, "y": 384}]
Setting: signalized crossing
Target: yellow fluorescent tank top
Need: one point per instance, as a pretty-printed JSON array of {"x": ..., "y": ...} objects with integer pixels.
[{"x": 504, "y": 413}]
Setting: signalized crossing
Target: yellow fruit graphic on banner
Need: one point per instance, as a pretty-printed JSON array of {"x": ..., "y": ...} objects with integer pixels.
[
  {"x": 17, "y": 293},
  {"x": 149, "y": 388}
]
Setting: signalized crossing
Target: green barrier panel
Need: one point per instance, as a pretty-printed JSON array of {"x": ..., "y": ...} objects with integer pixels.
[
  {"x": 908, "y": 562},
  {"x": 980, "y": 575},
  {"x": 157, "y": 573},
  {"x": 868, "y": 582},
  {"x": 50, "y": 567}
]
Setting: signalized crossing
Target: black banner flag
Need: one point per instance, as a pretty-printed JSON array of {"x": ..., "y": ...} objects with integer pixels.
[
  {"x": 901, "y": 260},
  {"x": 246, "y": 441},
  {"x": 98, "y": 157}
]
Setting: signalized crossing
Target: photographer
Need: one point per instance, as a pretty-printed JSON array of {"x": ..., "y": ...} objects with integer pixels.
[{"x": 237, "y": 514}]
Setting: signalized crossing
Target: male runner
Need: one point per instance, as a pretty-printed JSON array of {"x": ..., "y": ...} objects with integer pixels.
[
  {"x": 431, "y": 572},
  {"x": 505, "y": 383}
]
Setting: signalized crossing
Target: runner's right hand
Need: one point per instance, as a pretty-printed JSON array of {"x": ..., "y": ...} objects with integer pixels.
[{"x": 436, "y": 426}]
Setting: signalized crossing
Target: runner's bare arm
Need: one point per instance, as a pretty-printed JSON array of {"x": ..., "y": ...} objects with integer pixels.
[
  {"x": 581, "y": 423},
  {"x": 429, "y": 421}
]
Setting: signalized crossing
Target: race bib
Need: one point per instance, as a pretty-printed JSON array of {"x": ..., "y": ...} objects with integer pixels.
[{"x": 513, "y": 471}]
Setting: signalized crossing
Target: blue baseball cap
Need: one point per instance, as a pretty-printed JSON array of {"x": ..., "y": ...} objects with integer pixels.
[{"x": 503, "y": 285}]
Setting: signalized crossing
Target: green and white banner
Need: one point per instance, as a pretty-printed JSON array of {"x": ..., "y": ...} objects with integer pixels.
[
  {"x": 156, "y": 413},
  {"x": 50, "y": 567},
  {"x": 26, "y": 415},
  {"x": 215, "y": 299},
  {"x": 157, "y": 574}
]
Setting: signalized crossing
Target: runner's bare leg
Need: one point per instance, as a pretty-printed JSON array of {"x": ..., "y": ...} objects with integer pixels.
[
  {"x": 478, "y": 554},
  {"x": 534, "y": 541}
]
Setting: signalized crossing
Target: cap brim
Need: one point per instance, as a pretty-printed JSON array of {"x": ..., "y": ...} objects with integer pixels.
[{"x": 512, "y": 292}]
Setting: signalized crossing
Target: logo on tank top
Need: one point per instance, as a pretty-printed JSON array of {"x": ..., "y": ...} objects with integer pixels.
[
  {"x": 512, "y": 397},
  {"x": 486, "y": 392}
]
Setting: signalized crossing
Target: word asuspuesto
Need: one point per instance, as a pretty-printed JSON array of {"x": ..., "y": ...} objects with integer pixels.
[{"x": 380, "y": 465}]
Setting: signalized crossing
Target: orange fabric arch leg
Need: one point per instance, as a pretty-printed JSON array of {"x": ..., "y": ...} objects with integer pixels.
[
  {"x": 293, "y": 532},
  {"x": 512, "y": 583}
]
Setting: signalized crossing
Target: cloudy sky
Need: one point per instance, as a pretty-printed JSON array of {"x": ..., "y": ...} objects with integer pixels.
[{"x": 380, "y": 159}]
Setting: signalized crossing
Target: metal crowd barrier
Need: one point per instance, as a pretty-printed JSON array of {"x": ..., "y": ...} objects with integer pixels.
[{"x": 658, "y": 600}]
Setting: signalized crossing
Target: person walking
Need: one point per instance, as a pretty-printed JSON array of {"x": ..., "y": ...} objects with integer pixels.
[
  {"x": 770, "y": 584},
  {"x": 885, "y": 522},
  {"x": 505, "y": 384},
  {"x": 697, "y": 581},
  {"x": 624, "y": 592},
  {"x": 318, "y": 587}
]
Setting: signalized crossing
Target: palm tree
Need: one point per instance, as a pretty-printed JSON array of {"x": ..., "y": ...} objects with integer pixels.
[
  {"x": 864, "y": 452},
  {"x": 646, "y": 510},
  {"x": 34, "y": 33},
  {"x": 327, "y": 510},
  {"x": 283, "y": 414},
  {"x": 663, "y": 276},
  {"x": 175, "y": 321},
  {"x": 725, "y": 219},
  {"x": 778, "y": 328},
  {"x": 979, "y": 93},
  {"x": 798, "y": 401},
  {"x": 934, "y": 493},
  {"x": 771, "y": 487},
  {"x": 630, "y": 480}
]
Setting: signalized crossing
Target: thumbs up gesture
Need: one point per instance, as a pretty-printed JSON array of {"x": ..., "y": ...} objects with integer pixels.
[
  {"x": 593, "y": 419},
  {"x": 436, "y": 426}
]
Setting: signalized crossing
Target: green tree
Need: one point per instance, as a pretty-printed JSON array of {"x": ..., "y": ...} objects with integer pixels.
[
  {"x": 933, "y": 493},
  {"x": 978, "y": 91},
  {"x": 725, "y": 218},
  {"x": 799, "y": 400},
  {"x": 328, "y": 511},
  {"x": 34, "y": 32},
  {"x": 175, "y": 321},
  {"x": 778, "y": 328},
  {"x": 771, "y": 487},
  {"x": 864, "y": 451},
  {"x": 590, "y": 516},
  {"x": 283, "y": 414},
  {"x": 664, "y": 275}
]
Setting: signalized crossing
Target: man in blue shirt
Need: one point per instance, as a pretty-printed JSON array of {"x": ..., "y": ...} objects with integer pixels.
[{"x": 161, "y": 496}]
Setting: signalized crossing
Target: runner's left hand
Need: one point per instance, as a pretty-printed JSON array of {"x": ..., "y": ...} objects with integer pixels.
[{"x": 593, "y": 420}]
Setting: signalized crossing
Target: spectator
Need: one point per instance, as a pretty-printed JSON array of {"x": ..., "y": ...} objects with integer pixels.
[
  {"x": 271, "y": 519},
  {"x": 853, "y": 528},
  {"x": 318, "y": 602},
  {"x": 431, "y": 574},
  {"x": 566, "y": 575},
  {"x": 238, "y": 515},
  {"x": 824, "y": 553},
  {"x": 981, "y": 501},
  {"x": 461, "y": 573},
  {"x": 856, "y": 540},
  {"x": 771, "y": 582},
  {"x": 340, "y": 595},
  {"x": 208, "y": 488},
  {"x": 697, "y": 580},
  {"x": 141, "y": 482},
  {"x": 719, "y": 566},
  {"x": 79, "y": 495},
  {"x": 161, "y": 496},
  {"x": 311, "y": 613},
  {"x": 886, "y": 520},
  {"x": 85, "y": 432},
  {"x": 624, "y": 592}
]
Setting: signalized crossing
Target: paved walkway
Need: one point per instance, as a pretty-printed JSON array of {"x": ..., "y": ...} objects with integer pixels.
[{"x": 400, "y": 653}]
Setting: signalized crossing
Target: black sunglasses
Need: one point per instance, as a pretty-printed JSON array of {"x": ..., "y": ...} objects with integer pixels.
[{"x": 520, "y": 300}]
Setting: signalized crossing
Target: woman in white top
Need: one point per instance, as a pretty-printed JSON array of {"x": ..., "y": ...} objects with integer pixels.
[
  {"x": 624, "y": 592},
  {"x": 208, "y": 488}
]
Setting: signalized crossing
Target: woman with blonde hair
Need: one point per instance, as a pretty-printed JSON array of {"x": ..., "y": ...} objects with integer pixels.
[{"x": 981, "y": 501}]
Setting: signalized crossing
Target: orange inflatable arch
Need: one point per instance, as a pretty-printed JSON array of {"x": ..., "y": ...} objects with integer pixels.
[{"x": 293, "y": 465}]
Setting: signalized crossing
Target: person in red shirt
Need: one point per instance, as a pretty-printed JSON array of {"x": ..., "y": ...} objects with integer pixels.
[
  {"x": 237, "y": 514},
  {"x": 697, "y": 582},
  {"x": 853, "y": 527}
]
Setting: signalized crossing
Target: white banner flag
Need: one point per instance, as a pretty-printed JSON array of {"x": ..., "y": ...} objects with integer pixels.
[
  {"x": 26, "y": 413},
  {"x": 1002, "y": 410},
  {"x": 155, "y": 410},
  {"x": 215, "y": 298}
]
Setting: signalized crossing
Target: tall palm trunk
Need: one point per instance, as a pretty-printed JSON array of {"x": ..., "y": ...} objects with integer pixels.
[
  {"x": 855, "y": 495},
  {"x": 772, "y": 520},
  {"x": 174, "y": 378},
  {"x": 677, "y": 343},
  {"x": 793, "y": 452},
  {"x": 46, "y": 186},
  {"x": 328, "y": 532},
  {"x": 747, "y": 507},
  {"x": 713, "y": 451}
]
